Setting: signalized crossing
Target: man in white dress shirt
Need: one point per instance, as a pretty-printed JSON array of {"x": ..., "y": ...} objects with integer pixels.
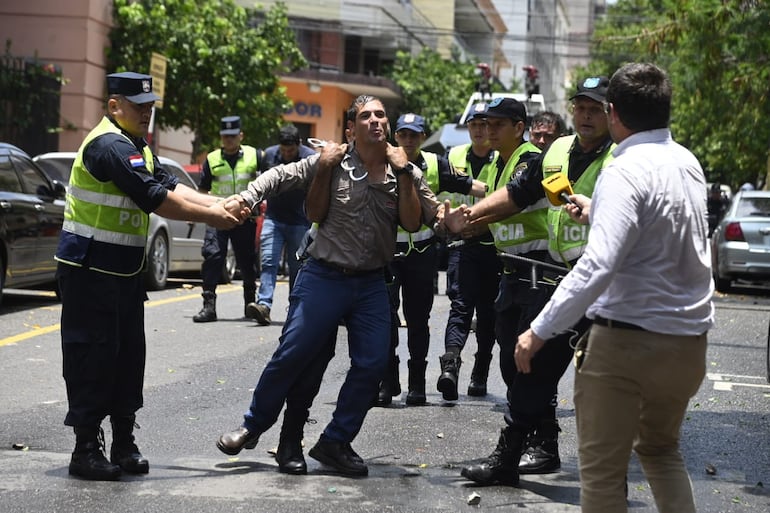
[{"x": 645, "y": 280}]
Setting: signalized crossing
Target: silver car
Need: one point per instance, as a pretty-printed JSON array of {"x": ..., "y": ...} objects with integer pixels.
[
  {"x": 740, "y": 244},
  {"x": 172, "y": 246}
]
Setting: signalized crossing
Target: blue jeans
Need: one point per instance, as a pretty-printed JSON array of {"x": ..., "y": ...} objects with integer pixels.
[
  {"x": 275, "y": 235},
  {"x": 320, "y": 298}
]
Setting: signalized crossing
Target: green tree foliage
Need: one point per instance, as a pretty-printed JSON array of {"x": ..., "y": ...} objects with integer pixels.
[
  {"x": 223, "y": 59},
  {"x": 432, "y": 86},
  {"x": 716, "y": 53}
]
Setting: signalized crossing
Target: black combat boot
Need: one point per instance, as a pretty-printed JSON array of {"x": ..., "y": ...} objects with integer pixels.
[
  {"x": 416, "y": 394},
  {"x": 249, "y": 298},
  {"x": 124, "y": 451},
  {"x": 478, "y": 385},
  {"x": 209, "y": 311},
  {"x": 450, "y": 369},
  {"x": 289, "y": 453},
  {"x": 502, "y": 465},
  {"x": 390, "y": 386},
  {"x": 541, "y": 456},
  {"x": 88, "y": 460}
]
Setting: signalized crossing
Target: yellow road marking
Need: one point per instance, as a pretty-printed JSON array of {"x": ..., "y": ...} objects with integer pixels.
[
  {"x": 36, "y": 332},
  {"x": 29, "y": 334}
]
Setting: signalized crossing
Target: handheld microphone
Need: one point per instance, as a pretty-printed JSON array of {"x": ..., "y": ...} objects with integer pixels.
[{"x": 558, "y": 190}]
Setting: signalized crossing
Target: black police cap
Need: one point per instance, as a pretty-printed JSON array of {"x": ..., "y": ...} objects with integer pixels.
[
  {"x": 231, "y": 125},
  {"x": 135, "y": 87}
]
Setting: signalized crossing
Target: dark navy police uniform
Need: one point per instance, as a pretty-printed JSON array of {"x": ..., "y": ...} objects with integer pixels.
[
  {"x": 103, "y": 341},
  {"x": 413, "y": 269},
  {"x": 242, "y": 237}
]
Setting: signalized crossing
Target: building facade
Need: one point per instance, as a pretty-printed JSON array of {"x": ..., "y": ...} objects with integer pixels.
[{"x": 349, "y": 45}]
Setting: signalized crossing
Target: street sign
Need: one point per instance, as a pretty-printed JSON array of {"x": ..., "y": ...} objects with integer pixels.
[{"x": 158, "y": 73}]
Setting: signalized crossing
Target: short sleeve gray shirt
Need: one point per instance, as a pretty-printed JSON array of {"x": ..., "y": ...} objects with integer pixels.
[{"x": 359, "y": 231}]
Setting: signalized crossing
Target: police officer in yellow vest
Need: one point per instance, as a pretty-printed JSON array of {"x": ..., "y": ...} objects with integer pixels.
[
  {"x": 228, "y": 170},
  {"x": 524, "y": 233},
  {"x": 414, "y": 268},
  {"x": 116, "y": 182},
  {"x": 473, "y": 272},
  {"x": 531, "y": 419}
]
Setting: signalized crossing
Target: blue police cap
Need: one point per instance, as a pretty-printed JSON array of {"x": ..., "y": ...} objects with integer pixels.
[{"x": 413, "y": 122}]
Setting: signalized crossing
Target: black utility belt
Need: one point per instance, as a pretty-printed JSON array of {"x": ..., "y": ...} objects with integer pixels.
[
  {"x": 526, "y": 272},
  {"x": 348, "y": 271},
  {"x": 546, "y": 266},
  {"x": 418, "y": 245},
  {"x": 609, "y": 323}
]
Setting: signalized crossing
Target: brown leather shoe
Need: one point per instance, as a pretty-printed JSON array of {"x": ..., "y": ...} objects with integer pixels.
[
  {"x": 233, "y": 442},
  {"x": 258, "y": 312}
]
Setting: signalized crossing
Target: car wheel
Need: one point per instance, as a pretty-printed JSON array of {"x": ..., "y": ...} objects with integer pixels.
[{"x": 157, "y": 262}]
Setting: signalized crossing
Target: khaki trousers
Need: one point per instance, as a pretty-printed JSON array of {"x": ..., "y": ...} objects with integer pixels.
[{"x": 631, "y": 393}]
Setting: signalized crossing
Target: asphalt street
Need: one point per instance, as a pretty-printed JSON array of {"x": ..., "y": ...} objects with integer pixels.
[{"x": 199, "y": 379}]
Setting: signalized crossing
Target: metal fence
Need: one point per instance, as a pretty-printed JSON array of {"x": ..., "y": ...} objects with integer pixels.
[{"x": 30, "y": 91}]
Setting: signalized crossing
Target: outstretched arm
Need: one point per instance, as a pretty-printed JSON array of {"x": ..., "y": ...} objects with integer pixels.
[
  {"x": 479, "y": 189},
  {"x": 472, "y": 221},
  {"x": 494, "y": 207},
  {"x": 175, "y": 206},
  {"x": 454, "y": 220}
]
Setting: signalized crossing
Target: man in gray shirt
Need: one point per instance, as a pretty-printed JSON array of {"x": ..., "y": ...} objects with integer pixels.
[{"x": 358, "y": 194}]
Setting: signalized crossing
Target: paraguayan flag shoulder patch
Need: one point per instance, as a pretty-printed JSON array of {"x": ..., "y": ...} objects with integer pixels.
[{"x": 136, "y": 160}]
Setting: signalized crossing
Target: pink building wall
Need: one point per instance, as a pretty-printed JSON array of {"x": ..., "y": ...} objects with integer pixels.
[{"x": 74, "y": 35}]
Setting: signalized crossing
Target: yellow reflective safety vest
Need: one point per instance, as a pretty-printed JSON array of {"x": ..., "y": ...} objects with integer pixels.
[
  {"x": 425, "y": 232},
  {"x": 114, "y": 227},
  {"x": 226, "y": 181},
  {"x": 458, "y": 157},
  {"x": 524, "y": 231},
  {"x": 567, "y": 239}
]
